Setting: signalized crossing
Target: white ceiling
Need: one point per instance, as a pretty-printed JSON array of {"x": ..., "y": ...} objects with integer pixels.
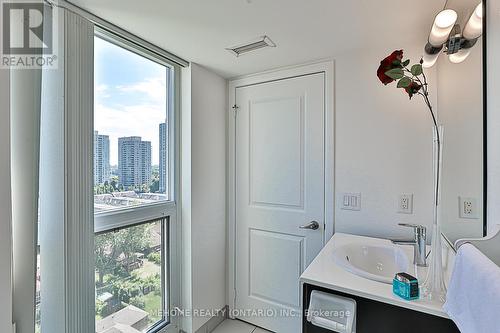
[{"x": 304, "y": 30}]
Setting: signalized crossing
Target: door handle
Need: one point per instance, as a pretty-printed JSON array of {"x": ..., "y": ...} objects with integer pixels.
[{"x": 313, "y": 225}]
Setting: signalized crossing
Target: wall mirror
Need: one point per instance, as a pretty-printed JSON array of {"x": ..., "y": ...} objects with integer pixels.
[{"x": 461, "y": 109}]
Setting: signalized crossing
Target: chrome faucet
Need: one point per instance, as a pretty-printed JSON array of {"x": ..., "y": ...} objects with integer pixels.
[{"x": 419, "y": 243}]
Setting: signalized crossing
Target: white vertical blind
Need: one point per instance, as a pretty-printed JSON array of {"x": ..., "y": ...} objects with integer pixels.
[
  {"x": 66, "y": 197},
  {"x": 25, "y": 85},
  {"x": 5, "y": 206},
  {"x": 52, "y": 188},
  {"x": 79, "y": 121}
]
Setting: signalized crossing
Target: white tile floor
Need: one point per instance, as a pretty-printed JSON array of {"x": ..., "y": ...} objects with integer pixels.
[
  {"x": 260, "y": 330},
  {"x": 236, "y": 326}
]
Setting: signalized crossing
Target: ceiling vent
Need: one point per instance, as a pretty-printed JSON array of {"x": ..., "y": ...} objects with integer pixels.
[{"x": 259, "y": 43}]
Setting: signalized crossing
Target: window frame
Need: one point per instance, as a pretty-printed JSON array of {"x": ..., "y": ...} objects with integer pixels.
[
  {"x": 167, "y": 211},
  {"x": 161, "y": 325}
]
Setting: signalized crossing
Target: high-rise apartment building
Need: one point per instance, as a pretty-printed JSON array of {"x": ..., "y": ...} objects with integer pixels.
[
  {"x": 134, "y": 162},
  {"x": 101, "y": 158},
  {"x": 163, "y": 170}
]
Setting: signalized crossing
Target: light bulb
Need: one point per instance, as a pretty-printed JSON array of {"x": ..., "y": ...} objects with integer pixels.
[
  {"x": 429, "y": 59},
  {"x": 443, "y": 23},
  {"x": 474, "y": 27},
  {"x": 459, "y": 56}
]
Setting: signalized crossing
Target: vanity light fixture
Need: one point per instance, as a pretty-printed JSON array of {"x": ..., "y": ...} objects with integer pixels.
[
  {"x": 474, "y": 27},
  {"x": 446, "y": 34},
  {"x": 443, "y": 23},
  {"x": 431, "y": 55},
  {"x": 459, "y": 56}
]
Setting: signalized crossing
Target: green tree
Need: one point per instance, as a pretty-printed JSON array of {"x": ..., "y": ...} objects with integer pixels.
[
  {"x": 155, "y": 185},
  {"x": 138, "y": 301},
  {"x": 99, "y": 308},
  {"x": 114, "y": 183},
  {"x": 110, "y": 246},
  {"x": 106, "y": 253},
  {"x": 155, "y": 257}
]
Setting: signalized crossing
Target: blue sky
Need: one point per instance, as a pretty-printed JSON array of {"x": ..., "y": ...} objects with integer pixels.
[{"x": 130, "y": 96}]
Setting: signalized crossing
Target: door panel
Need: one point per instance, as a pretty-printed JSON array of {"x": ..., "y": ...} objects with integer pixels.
[
  {"x": 279, "y": 187},
  {"x": 280, "y": 159},
  {"x": 286, "y": 260}
]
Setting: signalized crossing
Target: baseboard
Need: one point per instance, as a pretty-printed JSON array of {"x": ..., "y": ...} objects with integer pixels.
[{"x": 215, "y": 321}]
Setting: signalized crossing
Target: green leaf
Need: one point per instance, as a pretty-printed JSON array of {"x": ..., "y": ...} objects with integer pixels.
[
  {"x": 406, "y": 62},
  {"x": 404, "y": 82},
  {"x": 395, "y": 73},
  {"x": 396, "y": 63},
  {"x": 416, "y": 69}
]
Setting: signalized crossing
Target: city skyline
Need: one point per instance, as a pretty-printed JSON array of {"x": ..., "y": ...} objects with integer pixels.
[
  {"x": 136, "y": 155},
  {"x": 162, "y": 150},
  {"x": 132, "y": 102}
]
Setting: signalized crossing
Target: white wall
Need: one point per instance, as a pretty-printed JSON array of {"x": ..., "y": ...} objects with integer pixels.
[
  {"x": 383, "y": 145},
  {"x": 203, "y": 216},
  {"x": 5, "y": 207},
  {"x": 460, "y": 105},
  {"x": 493, "y": 66}
]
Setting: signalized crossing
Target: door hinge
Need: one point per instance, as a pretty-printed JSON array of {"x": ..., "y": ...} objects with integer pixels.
[{"x": 235, "y": 110}]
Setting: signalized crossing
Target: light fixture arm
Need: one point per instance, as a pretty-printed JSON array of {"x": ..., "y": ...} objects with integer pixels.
[{"x": 468, "y": 43}]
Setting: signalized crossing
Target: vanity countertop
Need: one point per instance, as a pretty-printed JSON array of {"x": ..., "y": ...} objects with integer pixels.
[{"x": 324, "y": 272}]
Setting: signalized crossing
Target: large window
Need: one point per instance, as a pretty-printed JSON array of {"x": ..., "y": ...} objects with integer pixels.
[
  {"x": 131, "y": 155},
  {"x": 96, "y": 159},
  {"x": 133, "y": 188}
]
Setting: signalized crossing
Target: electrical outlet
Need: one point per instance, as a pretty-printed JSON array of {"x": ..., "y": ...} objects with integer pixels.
[
  {"x": 467, "y": 208},
  {"x": 405, "y": 204},
  {"x": 351, "y": 201}
]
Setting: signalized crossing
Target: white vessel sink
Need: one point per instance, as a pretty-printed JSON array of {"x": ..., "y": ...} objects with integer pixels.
[{"x": 375, "y": 262}]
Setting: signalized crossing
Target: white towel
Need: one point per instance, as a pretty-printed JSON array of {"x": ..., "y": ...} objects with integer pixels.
[{"x": 473, "y": 298}]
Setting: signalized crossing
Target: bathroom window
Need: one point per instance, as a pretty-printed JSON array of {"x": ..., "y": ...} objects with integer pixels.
[
  {"x": 132, "y": 102},
  {"x": 134, "y": 178},
  {"x": 130, "y": 277},
  {"x": 104, "y": 230}
]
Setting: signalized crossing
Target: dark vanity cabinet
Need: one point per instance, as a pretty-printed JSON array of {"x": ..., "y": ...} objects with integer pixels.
[{"x": 377, "y": 317}]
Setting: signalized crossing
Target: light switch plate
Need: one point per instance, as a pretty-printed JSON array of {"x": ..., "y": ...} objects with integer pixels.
[
  {"x": 351, "y": 201},
  {"x": 405, "y": 203},
  {"x": 467, "y": 208}
]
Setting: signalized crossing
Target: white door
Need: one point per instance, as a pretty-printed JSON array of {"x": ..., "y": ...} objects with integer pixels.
[{"x": 279, "y": 188}]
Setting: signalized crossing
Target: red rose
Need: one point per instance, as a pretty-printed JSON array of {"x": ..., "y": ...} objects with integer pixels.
[
  {"x": 392, "y": 61},
  {"x": 413, "y": 88}
]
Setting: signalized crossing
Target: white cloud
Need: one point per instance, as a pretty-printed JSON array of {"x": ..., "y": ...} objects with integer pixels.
[
  {"x": 101, "y": 91},
  {"x": 136, "y": 120},
  {"x": 139, "y": 119},
  {"x": 101, "y": 88},
  {"x": 154, "y": 88}
]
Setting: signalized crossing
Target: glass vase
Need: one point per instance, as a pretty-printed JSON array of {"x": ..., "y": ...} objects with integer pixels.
[{"x": 434, "y": 287}]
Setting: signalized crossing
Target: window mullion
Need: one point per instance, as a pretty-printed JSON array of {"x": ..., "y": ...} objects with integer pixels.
[{"x": 127, "y": 217}]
